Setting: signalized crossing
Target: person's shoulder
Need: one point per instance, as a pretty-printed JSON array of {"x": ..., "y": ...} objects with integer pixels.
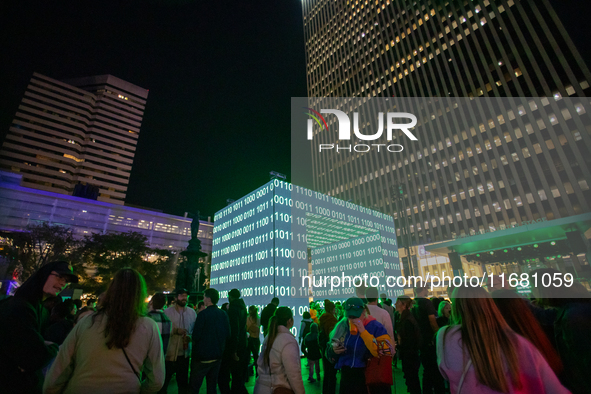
[
  {"x": 147, "y": 321},
  {"x": 374, "y": 327},
  {"x": 448, "y": 333}
]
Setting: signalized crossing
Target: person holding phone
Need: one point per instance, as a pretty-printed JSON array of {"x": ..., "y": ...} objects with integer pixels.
[{"x": 354, "y": 339}]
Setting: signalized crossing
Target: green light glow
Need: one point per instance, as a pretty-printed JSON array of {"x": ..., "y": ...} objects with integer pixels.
[
  {"x": 492, "y": 252},
  {"x": 505, "y": 250},
  {"x": 535, "y": 245},
  {"x": 519, "y": 248},
  {"x": 552, "y": 243}
]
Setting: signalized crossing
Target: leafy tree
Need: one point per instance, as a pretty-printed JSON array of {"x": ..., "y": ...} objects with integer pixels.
[
  {"x": 105, "y": 254},
  {"x": 27, "y": 251}
]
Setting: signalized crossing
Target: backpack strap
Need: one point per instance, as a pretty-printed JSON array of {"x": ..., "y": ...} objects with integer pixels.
[{"x": 466, "y": 368}]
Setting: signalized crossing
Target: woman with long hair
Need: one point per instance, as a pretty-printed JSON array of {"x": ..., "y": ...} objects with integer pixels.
[
  {"x": 520, "y": 318},
  {"x": 279, "y": 362},
  {"x": 480, "y": 353},
  {"x": 253, "y": 324},
  {"x": 107, "y": 351},
  {"x": 23, "y": 351}
]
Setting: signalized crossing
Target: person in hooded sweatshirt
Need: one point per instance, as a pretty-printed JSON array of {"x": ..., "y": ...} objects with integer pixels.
[
  {"x": 354, "y": 340},
  {"x": 23, "y": 351}
]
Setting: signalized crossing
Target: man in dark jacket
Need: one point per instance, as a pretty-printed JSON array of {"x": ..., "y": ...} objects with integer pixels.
[
  {"x": 210, "y": 334},
  {"x": 23, "y": 351},
  {"x": 268, "y": 313},
  {"x": 238, "y": 342}
]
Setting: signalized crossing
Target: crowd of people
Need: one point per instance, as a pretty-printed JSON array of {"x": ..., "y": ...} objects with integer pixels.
[{"x": 480, "y": 340}]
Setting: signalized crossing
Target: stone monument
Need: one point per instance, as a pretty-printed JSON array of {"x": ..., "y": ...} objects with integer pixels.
[{"x": 190, "y": 272}]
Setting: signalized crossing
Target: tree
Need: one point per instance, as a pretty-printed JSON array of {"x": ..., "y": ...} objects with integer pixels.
[
  {"x": 108, "y": 253},
  {"x": 29, "y": 250}
]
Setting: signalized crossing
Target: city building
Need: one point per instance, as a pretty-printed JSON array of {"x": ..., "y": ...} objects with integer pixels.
[
  {"x": 76, "y": 137},
  {"x": 22, "y": 206},
  {"x": 518, "y": 171}
]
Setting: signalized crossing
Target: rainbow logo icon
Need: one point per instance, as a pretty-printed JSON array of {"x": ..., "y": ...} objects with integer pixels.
[{"x": 315, "y": 115}]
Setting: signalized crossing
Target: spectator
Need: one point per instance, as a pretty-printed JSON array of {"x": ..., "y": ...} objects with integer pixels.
[
  {"x": 568, "y": 314},
  {"x": 435, "y": 301},
  {"x": 236, "y": 361},
  {"x": 481, "y": 354},
  {"x": 339, "y": 312},
  {"x": 443, "y": 313},
  {"x": 212, "y": 330},
  {"x": 201, "y": 306},
  {"x": 351, "y": 353},
  {"x": 23, "y": 351},
  {"x": 311, "y": 351},
  {"x": 387, "y": 306},
  {"x": 253, "y": 324},
  {"x": 85, "y": 311},
  {"x": 267, "y": 313},
  {"x": 225, "y": 306},
  {"x": 110, "y": 349},
  {"x": 409, "y": 338},
  {"x": 279, "y": 362},
  {"x": 305, "y": 325},
  {"x": 61, "y": 322},
  {"x": 424, "y": 312},
  {"x": 381, "y": 315},
  {"x": 314, "y": 312},
  {"x": 50, "y": 302},
  {"x": 157, "y": 314},
  {"x": 360, "y": 292},
  {"x": 519, "y": 317},
  {"x": 178, "y": 354},
  {"x": 327, "y": 323}
]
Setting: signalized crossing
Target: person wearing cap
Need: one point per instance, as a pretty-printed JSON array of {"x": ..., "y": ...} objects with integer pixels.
[
  {"x": 23, "y": 351},
  {"x": 178, "y": 355},
  {"x": 354, "y": 340}
]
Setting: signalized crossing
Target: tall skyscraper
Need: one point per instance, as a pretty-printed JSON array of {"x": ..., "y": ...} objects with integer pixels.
[
  {"x": 456, "y": 182},
  {"x": 78, "y": 131}
]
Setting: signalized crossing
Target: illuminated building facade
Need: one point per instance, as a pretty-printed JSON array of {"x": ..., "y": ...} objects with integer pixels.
[
  {"x": 493, "y": 176},
  {"x": 78, "y": 131}
]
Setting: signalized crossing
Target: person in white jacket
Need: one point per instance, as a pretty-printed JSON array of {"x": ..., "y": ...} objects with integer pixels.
[
  {"x": 106, "y": 352},
  {"x": 279, "y": 363}
]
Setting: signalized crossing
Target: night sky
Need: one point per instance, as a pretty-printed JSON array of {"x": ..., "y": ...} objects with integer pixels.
[{"x": 220, "y": 74}]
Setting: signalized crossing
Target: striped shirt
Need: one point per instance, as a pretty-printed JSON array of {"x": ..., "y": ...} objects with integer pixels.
[{"x": 164, "y": 325}]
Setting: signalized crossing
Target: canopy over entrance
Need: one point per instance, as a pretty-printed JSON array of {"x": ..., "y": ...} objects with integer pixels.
[{"x": 531, "y": 240}]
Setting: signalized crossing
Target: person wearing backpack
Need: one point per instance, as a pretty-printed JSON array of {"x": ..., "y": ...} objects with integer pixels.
[
  {"x": 311, "y": 350},
  {"x": 328, "y": 321},
  {"x": 304, "y": 326}
]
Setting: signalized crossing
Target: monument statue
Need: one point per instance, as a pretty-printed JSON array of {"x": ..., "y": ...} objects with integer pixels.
[{"x": 190, "y": 271}]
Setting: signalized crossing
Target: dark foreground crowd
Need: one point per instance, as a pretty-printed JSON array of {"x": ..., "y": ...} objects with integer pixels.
[{"x": 480, "y": 342}]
